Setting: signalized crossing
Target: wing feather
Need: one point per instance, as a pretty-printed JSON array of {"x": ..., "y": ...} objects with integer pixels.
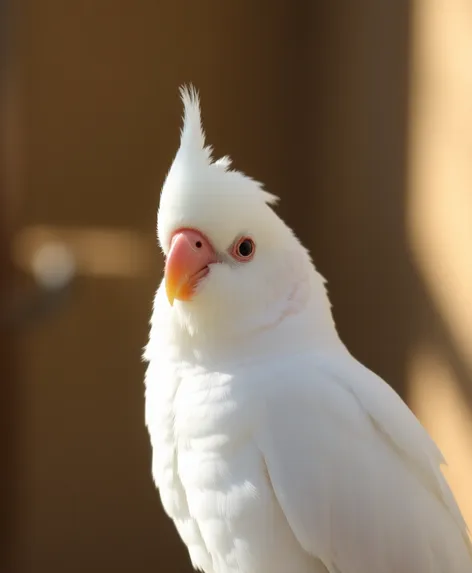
[{"x": 356, "y": 475}]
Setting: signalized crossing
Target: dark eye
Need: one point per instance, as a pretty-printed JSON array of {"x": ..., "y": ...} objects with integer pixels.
[{"x": 243, "y": 250}]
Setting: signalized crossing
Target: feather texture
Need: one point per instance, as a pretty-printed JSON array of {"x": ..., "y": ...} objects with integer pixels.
[{"x": 357, "y": 493}]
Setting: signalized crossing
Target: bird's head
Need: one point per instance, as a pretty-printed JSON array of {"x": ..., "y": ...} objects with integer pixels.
[{"x": 229, "y": 258}]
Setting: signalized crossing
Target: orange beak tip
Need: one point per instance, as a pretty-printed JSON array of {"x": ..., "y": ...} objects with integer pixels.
[
  {"x": 171, "y": 288},
  {"x": 170, "y": 298}
]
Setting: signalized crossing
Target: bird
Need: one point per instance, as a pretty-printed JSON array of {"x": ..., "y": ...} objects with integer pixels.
[{"x": 274, "y": 450}]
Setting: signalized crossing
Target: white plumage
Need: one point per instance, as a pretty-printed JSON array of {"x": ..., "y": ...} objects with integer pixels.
[{"x": 274, "y": 450}]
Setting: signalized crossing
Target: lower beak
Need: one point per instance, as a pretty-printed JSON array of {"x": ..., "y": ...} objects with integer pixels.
[{"x": 187, "y": 264}]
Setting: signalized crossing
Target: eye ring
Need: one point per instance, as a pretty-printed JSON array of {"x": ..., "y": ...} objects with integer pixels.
[{"x": 243, "y": 250}]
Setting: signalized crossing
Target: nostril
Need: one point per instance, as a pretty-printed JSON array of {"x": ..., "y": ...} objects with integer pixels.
[{"x": 198, "y": 244}]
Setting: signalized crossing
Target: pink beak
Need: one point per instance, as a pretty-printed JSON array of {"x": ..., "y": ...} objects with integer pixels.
[{"x": 187, "y": 263}]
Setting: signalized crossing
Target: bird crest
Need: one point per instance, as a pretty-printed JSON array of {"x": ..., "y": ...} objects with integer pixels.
[{"x": 192, "y": 134}]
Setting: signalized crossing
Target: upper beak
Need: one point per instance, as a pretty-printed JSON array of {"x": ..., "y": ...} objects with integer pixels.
[{"x": 187, "y": 263}]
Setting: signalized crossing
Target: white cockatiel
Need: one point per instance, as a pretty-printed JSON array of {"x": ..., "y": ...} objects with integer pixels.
[{"x": 274, "y": 450}]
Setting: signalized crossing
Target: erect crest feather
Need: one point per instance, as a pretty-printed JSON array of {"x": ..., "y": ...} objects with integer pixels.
[
  {"x": 192, "y": 141},
  {"x": 192, "y": 135}
]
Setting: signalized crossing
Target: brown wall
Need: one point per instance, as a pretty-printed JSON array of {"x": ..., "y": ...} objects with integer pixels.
[{"x": 307, "y": 98}]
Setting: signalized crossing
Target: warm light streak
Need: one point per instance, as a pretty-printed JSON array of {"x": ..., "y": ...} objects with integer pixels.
[
  {"x": 439, "y": 212},
  {"x": 98, "y": 252}
]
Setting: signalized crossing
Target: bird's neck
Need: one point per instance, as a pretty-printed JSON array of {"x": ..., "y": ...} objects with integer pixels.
[{"x": 306, "y": 324}]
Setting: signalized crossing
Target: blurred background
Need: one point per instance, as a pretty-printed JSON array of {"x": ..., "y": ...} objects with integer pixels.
[{"x": 359, "y": 117}]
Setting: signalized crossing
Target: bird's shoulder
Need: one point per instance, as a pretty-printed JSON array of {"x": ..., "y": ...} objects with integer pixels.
[{"x": 341, "y": 449}]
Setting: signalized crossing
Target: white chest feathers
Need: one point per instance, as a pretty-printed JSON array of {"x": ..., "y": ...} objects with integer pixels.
[{"x": 211, "y": 476}]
